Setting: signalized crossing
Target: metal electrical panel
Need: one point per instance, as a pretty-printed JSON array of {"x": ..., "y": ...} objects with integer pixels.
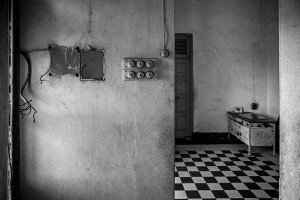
[
  {"x": 135, "y": 69},
  {"x": 92, "y": 65},
  {"x": 64, "y": 60}
]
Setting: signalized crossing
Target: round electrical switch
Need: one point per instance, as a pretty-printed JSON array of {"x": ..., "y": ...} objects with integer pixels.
[
  {"x": 140, "y": 64},
  {"x": 140, "y": 74},
  {"x": 130, "y": 63},
  {"x": 131, "y": 75},
  {"x": 149, "y": 64},
  {"x": 164, "y": 53},
  {"x": 149, "y": 75}
]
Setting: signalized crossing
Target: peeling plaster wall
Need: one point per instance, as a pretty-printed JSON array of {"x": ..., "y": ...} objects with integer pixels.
[
  {"x": 107, "y": 140},
  {"x": 229, "y": 37},
  {"x": 289, "y": 62}
]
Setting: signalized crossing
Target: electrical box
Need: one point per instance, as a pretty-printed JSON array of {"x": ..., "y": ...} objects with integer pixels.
[
  {"x": 92, "y": 65},
  {"x": 64, "y": 60},
  {"x": 139, "y": 69}
]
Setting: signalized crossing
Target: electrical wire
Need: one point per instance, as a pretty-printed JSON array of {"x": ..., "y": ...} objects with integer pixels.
[
  {"x": 165, "y": 30},
  {"x": 33, "y": 50},
  {"x": 42, "y": 80},
  {"x": 253, "y": 49},
  {"x": 27, "y": 104},
  {"x": 253, "y": 71}
]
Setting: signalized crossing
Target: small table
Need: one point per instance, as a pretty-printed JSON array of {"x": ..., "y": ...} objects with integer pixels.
[{"x": 252, "y": 129}]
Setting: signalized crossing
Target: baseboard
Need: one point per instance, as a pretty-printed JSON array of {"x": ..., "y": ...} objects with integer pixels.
[{"x": 208, "y": 138}]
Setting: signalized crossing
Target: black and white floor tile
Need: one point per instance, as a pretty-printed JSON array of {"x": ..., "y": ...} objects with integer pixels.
[{"x": 224, "y": 174}]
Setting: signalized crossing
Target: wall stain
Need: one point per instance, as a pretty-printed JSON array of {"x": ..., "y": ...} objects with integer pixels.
[{"x": 90, "y": 13}]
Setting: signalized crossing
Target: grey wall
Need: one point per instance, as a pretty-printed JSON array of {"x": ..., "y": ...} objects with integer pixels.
[
  {"x": 271, "y": 38},
  {"x": 4, "y": 106},
  {"x": 98, "y": 140},
  {"x": 289, "y": 99},
  {"x": 230, "y": 37}
]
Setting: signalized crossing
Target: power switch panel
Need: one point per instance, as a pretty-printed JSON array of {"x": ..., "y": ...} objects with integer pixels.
[
  {"x": 138, "y": 69},
  {"x": 92, "y": 65}
]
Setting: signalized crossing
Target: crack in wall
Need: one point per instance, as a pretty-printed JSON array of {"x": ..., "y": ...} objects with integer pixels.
[{"x": 90, "y": 13}]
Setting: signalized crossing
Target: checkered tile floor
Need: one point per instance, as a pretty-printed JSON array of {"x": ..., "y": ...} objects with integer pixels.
[{"x": 224, "y": 175}]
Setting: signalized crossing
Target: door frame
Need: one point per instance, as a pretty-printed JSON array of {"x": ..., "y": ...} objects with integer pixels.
[
  {"x": 191, "y": 50},
  {"x": 4, "y": 97},
  {"x": 15, "y": 80}
]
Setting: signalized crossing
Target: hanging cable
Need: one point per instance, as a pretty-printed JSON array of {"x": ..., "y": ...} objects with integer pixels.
[
  {"x": 41, "y": 77},
  {"x": 253, "y": 53},
  {"x": 254, "y": 105},
  {"x": 164, "y": 52},
  {"x": 164, "y": 23},
  {"x": 33, "y": 50},
  {"x": 42, "y": 80},
  {"x": 253, "y": 72},
  {"x": 26, "y": 108}
]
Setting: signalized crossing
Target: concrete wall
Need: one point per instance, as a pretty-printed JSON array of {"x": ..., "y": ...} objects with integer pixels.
[
  {"x": 271, "y": 39},
  {"x": 230, "y": 37},
  {"x": 289, "y": 52},
  {"x": 107, "y": 140}
]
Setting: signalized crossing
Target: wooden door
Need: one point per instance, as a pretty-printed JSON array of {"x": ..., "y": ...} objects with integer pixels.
[{"x": 183, "y": 85}]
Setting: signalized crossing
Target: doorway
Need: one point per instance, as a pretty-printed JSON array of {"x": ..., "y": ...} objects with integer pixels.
[
  {"x": 227, "y": 71},
  {"x": 183, "y": 85}
]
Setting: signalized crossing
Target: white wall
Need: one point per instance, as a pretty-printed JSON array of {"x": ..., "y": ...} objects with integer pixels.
[
  {"x": 110, "y": 140},
  {"x": 229, "y": 39},
  {"x": 289, "y": 62}
]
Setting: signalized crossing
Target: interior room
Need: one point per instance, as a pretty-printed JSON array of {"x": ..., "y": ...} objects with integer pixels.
[
  {"x": 232, "y": 51},
  {"x": 149, "y": 99}
]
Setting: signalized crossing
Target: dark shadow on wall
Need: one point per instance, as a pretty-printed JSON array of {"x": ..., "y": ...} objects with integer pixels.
[
  {"x": 30, "y": 193},
  {"x": 4, "y": 107},
  {"x": 31, "y": 13}
]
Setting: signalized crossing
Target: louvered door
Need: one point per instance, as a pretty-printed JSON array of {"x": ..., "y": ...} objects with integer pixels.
[
  {"x": 183, "y": 46},
  {"x": 183, "y": 85}
]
